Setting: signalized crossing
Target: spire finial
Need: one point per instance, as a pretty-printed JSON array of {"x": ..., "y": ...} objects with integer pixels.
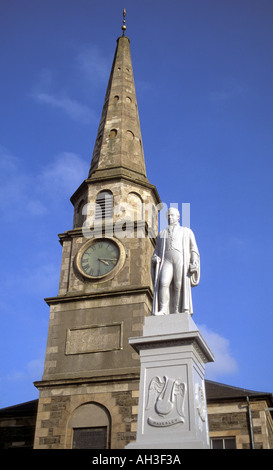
[{"x": 124, "y": 26}]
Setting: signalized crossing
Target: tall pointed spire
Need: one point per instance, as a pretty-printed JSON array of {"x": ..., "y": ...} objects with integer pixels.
[{"x": 118, "y": 147}]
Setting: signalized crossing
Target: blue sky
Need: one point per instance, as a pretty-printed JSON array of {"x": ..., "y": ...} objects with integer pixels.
[{"x": 204, "y": 82}]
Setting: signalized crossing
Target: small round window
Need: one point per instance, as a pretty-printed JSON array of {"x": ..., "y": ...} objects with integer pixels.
[{"x": 113, "y": 133}]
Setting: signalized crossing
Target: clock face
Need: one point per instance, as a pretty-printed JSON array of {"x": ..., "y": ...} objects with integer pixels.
[{"x": 100, "y": 258}]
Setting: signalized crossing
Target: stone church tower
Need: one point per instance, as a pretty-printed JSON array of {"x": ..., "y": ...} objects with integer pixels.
[{"x": 89, "y": 389}]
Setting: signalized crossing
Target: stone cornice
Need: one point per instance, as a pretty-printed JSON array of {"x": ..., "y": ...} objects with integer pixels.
[
  {"x": 119, "y": 173},
  {"x": 132, "y": 290},
  {"x": 77, "y": 232},
  {"x": 108, "y": 376}
]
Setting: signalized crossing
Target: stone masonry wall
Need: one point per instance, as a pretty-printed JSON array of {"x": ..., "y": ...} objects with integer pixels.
[
  {"x": 232, "y": 420},
  {"x": 57, "y": 407}
]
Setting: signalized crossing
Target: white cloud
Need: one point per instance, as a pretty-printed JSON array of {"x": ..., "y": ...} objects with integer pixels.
[
  {"x": 35, "y": 207},
  {"x": 93, "y": 64},
  {"x": 91, "y": 68},
  {"x": 228, "y": 88},
  {"x": 31, "y": 371},
  {"x": 73, "y": 108},
  {"x": 8, "y": 162},
  {"x": 39, "y": 280},
  {"x": 16, "y": 385},
  {"x": 142, "y": 86},
  {"x": 16, "y": 188},
  {"x": 225, "y": 363},
  {"x": 64, "y": 174},
  {"x": 24, "y": 194}
]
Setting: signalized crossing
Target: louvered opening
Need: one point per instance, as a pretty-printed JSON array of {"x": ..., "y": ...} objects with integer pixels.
[{"x": 104, "y": 205}]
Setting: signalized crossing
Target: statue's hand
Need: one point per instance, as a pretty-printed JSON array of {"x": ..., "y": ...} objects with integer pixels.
[
  {"x": 156, "y": 259},
  {"x": 193, "y": 267}
]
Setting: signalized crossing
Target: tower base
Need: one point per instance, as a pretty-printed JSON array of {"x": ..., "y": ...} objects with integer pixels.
[{"x": 172, "y": 410}]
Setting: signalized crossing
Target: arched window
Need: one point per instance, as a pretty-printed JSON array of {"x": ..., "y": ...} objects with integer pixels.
[
  {"x": 104, "y": 205},
  {"x": 136, "y": 204},
  {"x": 90, "y": 426},
  {"x": 80, "y": 216}
]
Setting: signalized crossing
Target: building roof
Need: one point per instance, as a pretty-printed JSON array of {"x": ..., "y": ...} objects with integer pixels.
[
  {"x": 27, "y": 408},
  {"x": 216, "y": 391}
]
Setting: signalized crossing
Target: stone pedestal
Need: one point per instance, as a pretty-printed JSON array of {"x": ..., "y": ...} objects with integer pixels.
[{"x": 172, "y": 402}]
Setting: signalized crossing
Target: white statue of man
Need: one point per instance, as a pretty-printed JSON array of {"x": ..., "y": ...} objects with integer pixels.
[{"x": 175, "y": 268}]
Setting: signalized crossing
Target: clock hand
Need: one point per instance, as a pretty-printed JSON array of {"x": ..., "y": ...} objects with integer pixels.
[
  {"x": 103, "y": 261},
  {"x": 108, "y": 259}
]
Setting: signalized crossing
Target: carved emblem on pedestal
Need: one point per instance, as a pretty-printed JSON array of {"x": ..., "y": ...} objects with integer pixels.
[
  {"x": 166, "y": 401},
  {"x": 200, "y": 403}
]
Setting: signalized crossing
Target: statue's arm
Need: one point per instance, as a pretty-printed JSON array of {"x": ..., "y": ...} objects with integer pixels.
[
  {"x": 156, "y": 258},
  {"x": 194, "y": 254}
]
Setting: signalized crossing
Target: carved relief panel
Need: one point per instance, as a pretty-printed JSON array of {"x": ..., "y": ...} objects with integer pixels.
[{"x": 166, "y": 397}]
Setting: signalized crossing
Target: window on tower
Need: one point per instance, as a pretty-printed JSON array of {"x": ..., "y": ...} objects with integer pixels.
[
  {"x": 80, "y": 217},
  {"x": 104, "y": 205}
]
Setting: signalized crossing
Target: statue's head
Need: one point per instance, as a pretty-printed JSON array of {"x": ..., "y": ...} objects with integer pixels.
[{"x": 173, "y": 216}]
